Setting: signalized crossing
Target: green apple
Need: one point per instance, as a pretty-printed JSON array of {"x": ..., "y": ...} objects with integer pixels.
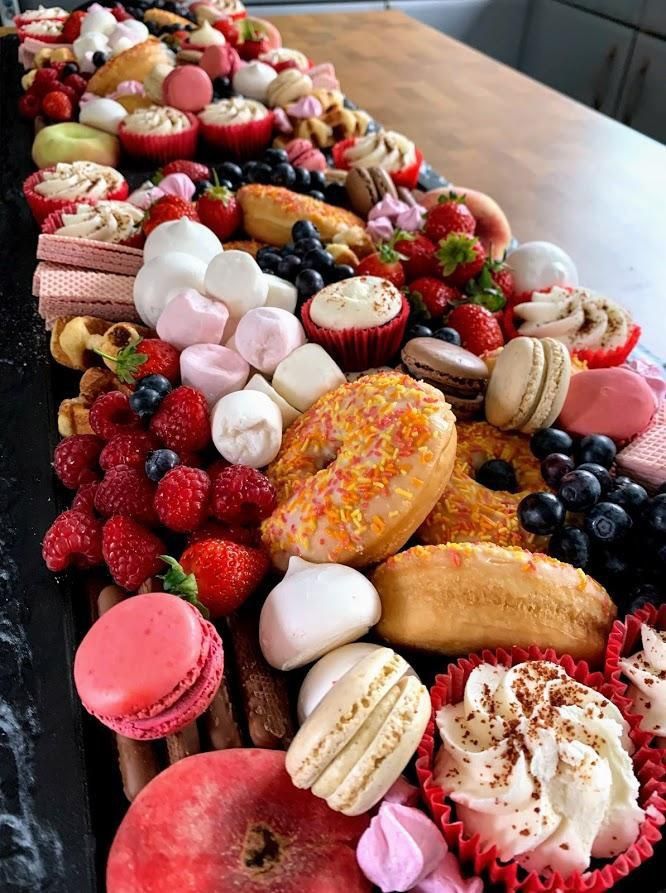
[{"x": 74, "y": 142}]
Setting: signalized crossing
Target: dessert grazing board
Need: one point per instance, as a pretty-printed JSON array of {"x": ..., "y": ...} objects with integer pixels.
[{"x": 291, "y": 358}]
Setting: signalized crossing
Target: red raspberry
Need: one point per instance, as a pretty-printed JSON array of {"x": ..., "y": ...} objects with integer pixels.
[
  {"x": 181, "y": 500},
  {"x": 75, "y": 459},
  {"x": 216, "y": 468},
  {"x": 74, "y": 538},
  {"x": 29, "y": 106},
  {"x": 119, "y": 13},
  {"x": 126, "y": 491},
  {"x": 84, "y": 501},
  {"x": 76, "y": 83},
  {"x": 242, "y": 495},
  {"x": 193, "y": 460},
  {"x": 44, "y": 81},
  {"x": 131, "y": 552},
  {"x": 181, "y": 422},
  {"x": 128, "y": 449},
  {"x": 215, "y": 530},
  {"x": 110, "y": 414},
  {"x": 193, "y": 169},
  {"x": 57, "y": 106}
]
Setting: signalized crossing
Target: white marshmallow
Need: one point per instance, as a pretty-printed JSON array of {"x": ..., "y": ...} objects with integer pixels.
[
  {"x": 104, "y": 114},
  {"x": 538, "y": 265},
  {"x": 186, "y": 237},
  {"x": 99, "y": 21},
  {"x": 84, "y": 47},
  {"x": 281, "y": 293},
  {"x": 306, "y": 375},
  {"x": 235, "y": 279},
  {"x": 158, "y": 281},
  {"x": 247, "y": 428},
  {"x": 266, "y": 335},
  {"x": 259, "y": 383},
  {"x": 291, "y": 631}
]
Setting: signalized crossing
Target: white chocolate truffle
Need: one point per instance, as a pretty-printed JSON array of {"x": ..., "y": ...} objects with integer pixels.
[
  {"x": 247, "y": 428},
  {"x": 185, "y": 236},
  {"x": 235, "y": 279},
  {"x": 306, "y": 375},
  {"x": 259, "y": 383},
  {"x": 161, "y": 279}
]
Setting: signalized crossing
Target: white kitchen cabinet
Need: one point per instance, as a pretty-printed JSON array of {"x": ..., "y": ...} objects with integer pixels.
[
  {"x": 643, "y": 102},
  {"x": 627, "y": 11},
  {"x": 654, "y": 17}
]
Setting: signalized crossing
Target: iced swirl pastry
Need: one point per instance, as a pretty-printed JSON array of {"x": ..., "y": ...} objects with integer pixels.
[
  {"x": 157, "y": 121},
  {"x": 386, "y": 149},
  {"x": 79, "y": 179},
  {"x": 647, "y": 672},
  {"x": 359, "y": 302},
  {"x": 233, "y": 111},
  {"x": 102, "y": 222},
  {"x": 538, "y": 765}
]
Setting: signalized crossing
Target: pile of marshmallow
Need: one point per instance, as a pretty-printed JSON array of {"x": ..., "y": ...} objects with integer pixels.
[
  {"x": 242, "y": 346},
  {"x": 101, "y": 32}
]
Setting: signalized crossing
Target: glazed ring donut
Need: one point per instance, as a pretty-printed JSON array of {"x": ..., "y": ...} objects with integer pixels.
[
  {"x": 360, "y": 470},
  {"x": 468, "y": 512}
]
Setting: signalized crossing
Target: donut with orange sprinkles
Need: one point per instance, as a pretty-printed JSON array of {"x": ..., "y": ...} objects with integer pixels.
[
  {"x": 468, "y": 512},
  {"x": 360, "y": 471}
]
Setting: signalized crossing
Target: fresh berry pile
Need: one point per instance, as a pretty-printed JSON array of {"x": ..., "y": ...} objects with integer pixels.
[{"x": 54, "y": 92}]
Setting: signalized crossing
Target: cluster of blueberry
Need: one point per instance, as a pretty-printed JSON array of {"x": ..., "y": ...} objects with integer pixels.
[
  {"x": 446, "y": 333},
  {"x": 149, "y": 393},
  {"x": 303, "y": 261}
]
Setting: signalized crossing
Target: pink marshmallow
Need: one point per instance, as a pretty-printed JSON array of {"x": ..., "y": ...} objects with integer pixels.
[
  {"x": 214, "y": 370},
  {"x": 266, "y": 335},
  {"x": 190, "y": 318}
]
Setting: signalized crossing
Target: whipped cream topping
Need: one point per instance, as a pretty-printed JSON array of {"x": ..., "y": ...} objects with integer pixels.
[
  {"x": 538, "y": 764},
  {"x": 44, "y": 28},
  {"x": 290, "y": 85},
  {"x": 386, "y": 149},
  {"x": 42, "y": 13},
  {"x": 236, "y": 110},
  {"x": 647, "y": 671},
  {"x": 205, "y": 36},
  {"x": 285, "y": 54},
  {"x": 359, "y": 302},
  {"x": 157, "y": 121},
  {"x": 577, "y": 317},
  {"x": 102, "y": 222},
  {"x": 79, "y": 179}
]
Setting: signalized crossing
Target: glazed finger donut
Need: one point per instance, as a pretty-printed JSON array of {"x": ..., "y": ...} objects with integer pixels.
[
  {"x": 469, "y": 512},
  {"x": 360, "y": 470}
]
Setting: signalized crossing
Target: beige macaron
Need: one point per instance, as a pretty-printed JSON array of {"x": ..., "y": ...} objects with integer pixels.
[{"x": 360, "y": 737}]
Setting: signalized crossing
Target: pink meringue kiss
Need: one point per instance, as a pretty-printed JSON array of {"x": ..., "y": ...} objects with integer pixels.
[
  {"x": 267, "y": 335},
  {"x": 411, "y": 219},
  {"x": 281, "y": 122},
  {"x": 128, "y": 88},
  {"x": 305, "y": 107},
  {"x": 179, "y": 185},
  {"x": 380, "y": 229},
  {"x": 214, "y": 370},
  {"x": 190, "y": 318},
  {"x": 446, "y": 878},
  {"x": 403, "y": 793},
  {"x": 388, "y": 207},
  {"x": 145, "y": 196}
]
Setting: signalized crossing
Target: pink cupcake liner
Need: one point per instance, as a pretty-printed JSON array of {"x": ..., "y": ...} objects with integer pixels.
[
  {"x": 54, "y": 221},
  {"x": 41, "y": 206},
  {"x": 161, "y": 148},
  {"x": 407, "y": 176},
  {"x": 355, "y": 350},
  {"x": 650, "y": 771},
  {"x": 240, "y": 140}
]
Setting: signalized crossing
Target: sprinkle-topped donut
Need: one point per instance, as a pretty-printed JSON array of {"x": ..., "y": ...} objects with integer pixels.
[{"x": 360, "y": 470}]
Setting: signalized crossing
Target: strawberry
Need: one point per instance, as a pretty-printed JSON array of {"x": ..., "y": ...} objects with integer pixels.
[
  {"x": 478, "y": 329},
  {"x": 119, "y": 13},
  {"x": 214, "y": 530},
  {"x": 45, "y": 80},
  {"x": 29, "y": 106},
  {"x": 219, "y": 210},
  {"x": 219, "y": 573},
  {"x": 461, "y": 258},
  {"x": 230, "y": 30},
  {"x": 75, "y": 459},
  {"x": 126, "y": 491},
  {"x": 449, "y": 215},
  {"x": 385, "y": 263},
  {"x": 182, "y": 422},
  {"x": 74, "y": 538},
  {"x": 169, "y": 207},
  {"x": 132, "y": 553},
  {"x": 111, "y": 414},
  {"x": 432, "y": 296},
  {"x": 487, "y": 288},
  {"x": 128, "y": 449},
  {"x": 419, "y": 254},
  {"x": 147, "y": 356},
  {"x": 72, "y": 27},
  {"x": 181, "y": 500},
  {"x": 242, "y": 495},
  {"x": 192, "y": 169},
  {"x": 252, "y": 43},
  {"x": 502, "y": 276}
]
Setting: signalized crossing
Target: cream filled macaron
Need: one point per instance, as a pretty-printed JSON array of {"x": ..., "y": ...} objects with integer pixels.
[
  {"x": 246, "y": 428},
  {"x": 267, "y": 335}
]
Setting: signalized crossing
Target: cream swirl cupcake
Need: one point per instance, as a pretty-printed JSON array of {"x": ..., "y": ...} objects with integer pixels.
[
  {"x": 290, "y": 85},
  {"x": 242, "y": 127},
  {"x": 387, "y": 149},
  {"x": 52, "y": 188},
  {"x": 647, "y": 671},
  {"x": 113, "y": 222},
  {"x": 281, "y": 55},
  {"x": 159, "y": 133},
  {"x": 44, "y": 30},
  {"x": 198, "y": 41},
  {"x": 40, "y": 14}
]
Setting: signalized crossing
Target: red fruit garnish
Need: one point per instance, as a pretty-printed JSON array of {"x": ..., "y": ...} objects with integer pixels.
[
  {"x": 76, "y": 83},
  {"x": 219, "y": 210},
  {"x": 29, "y": 106},
  {"x": 493, "y": 287},
  {"x": 478, "y": 329},
  {"x": 74, "y": 538},
  {"x": 45, "y": 80},
  {"x": 192, "y": 169},
  {"x": 449, "y": 215},
  {"x": 252, "y": 43},
  {"x": 57, "y": 106},
  {"x": 419, "y": 254},
  {"x": 132, "y": 553},
  {"x": 284, "y": 65},
  {"x": 432, "y": 295},
  {"x": 148, "y": 356},
  {"x": 242, "y": 495},
  {"x": 84, "y": 500},
  {"x": 75, "y": 459},
  {"x": 214, "y": 530},
  {"x": 120, "y": 13},
  {"x": 72, "y": 27},
  {"x": 182, "y": 422},
  {"x": 461, "y": 258},
  {"x": 385, "y": 263},
  {"x": 181, "y": 500},
  {"x": 216, "y": 468},
  {"x": 126, "y": 491},
  {"x": 169, "y": 207},
  {"x": 111, "y": 414},
  {"x": 130, "y": 449},
  {"x": 229, "y": 29}
]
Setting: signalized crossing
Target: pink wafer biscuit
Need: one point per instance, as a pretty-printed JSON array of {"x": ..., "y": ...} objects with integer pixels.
[
  {"x": 102, "y": 257},
  {"x": 644, "y": 460},
  {"x": 67, "y": 291}
]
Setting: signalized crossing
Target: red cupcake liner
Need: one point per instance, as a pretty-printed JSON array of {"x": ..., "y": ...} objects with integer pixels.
[
  {"x": 406, "y": 176},
  {"x": 41, "y": 206},
  {"x": 23, "y": 35},
  {"x": 650, "y": 771},
  {"x": 355, "y": 350},
  {"x": 54, "y": 221},
  {"x": 240, "y": 140},
  {"x": 20, "y": 21},
  {"x": 161, "y": 148}
]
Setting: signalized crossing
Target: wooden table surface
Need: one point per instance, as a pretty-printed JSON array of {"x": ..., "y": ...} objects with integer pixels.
[{"x": 561, "y": 171}]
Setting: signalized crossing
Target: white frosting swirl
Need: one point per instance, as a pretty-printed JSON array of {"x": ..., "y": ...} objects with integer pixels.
[
  {"x": 44, "y": 28},
  {"x": 386, "y": 149},
  {"x": 360, "y": 303},
  {"x": 285, "y": 54},
  {"x": 79, "y": 179},
  {"x": 157, "y": 121},
  {"x": 205, "y": 36},
  {"x": 102, "y": 222},
  {"x": 647, "y": 671},
  {"x": 538, "y": 765},
  {"x": 233, "y": 111},
  {"x": 40, "y": 14}
]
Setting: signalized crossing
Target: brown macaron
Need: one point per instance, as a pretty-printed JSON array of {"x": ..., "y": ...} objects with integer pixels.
[
  {"x": 458, "y": 373},
  {"x": 367, "y": 186}
]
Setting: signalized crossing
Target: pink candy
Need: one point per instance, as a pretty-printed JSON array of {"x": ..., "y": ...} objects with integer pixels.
[
  {"x": 266, "y": 335},
  {"x": 301, "y": 153},
  {"x": 190, "y": 318},
  {"x": 305, "y": 107},
  {"x": 214, "y": 370},
  {"x": 179, "y": 185}
]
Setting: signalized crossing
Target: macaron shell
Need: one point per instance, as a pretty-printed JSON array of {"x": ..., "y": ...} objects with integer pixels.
[
  {"x": 516, "y": 383},
  {"x": 556, "y": 386},
  {"x": 361, "y": 189}
]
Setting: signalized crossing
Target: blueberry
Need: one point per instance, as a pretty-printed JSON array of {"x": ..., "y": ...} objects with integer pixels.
[
  {"x": 541, "y": 513},
  {"x": 302, "y": 246},
  {"x": 317, "y": 181},
  {"x": 283, "y": 175},
  {"x": 274, "y": 157},
  {"x": 448, "y": 334},
  {"x": 611, "y": 562},
  {"x": 601, "y": 474},
  {"x": 550, "y": 440},
  {"x": 307, "y": 283},
  {"x": 159, "y": 462},
  {"x": 304, "y": 229},
  {"x": 288, "y": 250},
  {"x": 289, "y": 267},
  {"x": 155, "y": 382},
  {"x": 596, "y": 448},
  {"x": 145, "y": 402},
  {"x": 661, "y": 490},
  {"x": 496, "y": 474},
  {"x": 644, "y": 594},
  {"x": 554, "y": 467},
  {"x": 201, "y": 187},
  {"x": 579, "y": 490},
  {"x": 318, "y": 259},
  {"x": 226, "y": 183},
  {"x": 419, "y": 331},
  {"x": 266, "y": 249},
  {"x": 231, "y": 172},
  {"x": 570, "y": 544},
  {"x": 335, "y": 194},
  {"x": 607, "y": 523},
  {"x": 98, "y": 59},
  {"x": 69, "y": 68},
  {"x": 632, "y": 497},
  {"x": 222, "y": 88},
  {"x": 248, "y": 168},
  {"x": 260, "y": 173},
  {"x": 302, "y": 181},
  {"x": 338, "y": 272},
  {"x": 316, "y": 193},
  {"x": 269, "y": 262},
  {"x": 655, "y": 514}
]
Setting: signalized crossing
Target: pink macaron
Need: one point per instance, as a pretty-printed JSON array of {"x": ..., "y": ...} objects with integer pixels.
[
  {"x": 301, "y": 153},
  {"x": 190, "y": 318},
  {"x": 220, "y": 61},
  {"x": 188, "y": 88},
  {"x": 214, "y": 370},
  {"x": 149, "y": 666},
  {"x": 266, "y": 335}
]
